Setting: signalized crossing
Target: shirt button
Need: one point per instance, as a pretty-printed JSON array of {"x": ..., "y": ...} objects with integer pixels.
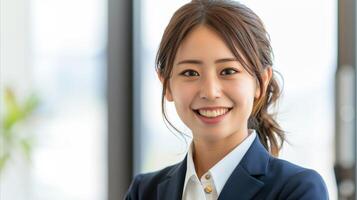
[
  {"x": 208, "y": 176},
  {"x": 208, "y": 189}
]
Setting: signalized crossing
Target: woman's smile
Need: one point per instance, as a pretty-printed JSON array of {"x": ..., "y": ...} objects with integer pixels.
[{"x": 212, "y": 115}]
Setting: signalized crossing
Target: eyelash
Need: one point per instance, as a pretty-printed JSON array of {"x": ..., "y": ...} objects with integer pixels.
[
  {"x": 184, "y": 73},
  {"x": 230, "y": 69}
]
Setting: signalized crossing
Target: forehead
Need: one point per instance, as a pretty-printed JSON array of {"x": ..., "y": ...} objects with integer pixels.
[{"x": 203, "y": 43}]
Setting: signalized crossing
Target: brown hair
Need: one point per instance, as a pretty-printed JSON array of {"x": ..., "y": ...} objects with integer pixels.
[{"x": 245, "y": 35}]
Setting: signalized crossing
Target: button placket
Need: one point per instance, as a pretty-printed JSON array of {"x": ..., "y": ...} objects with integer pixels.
[{"x": 207, "y": 184}]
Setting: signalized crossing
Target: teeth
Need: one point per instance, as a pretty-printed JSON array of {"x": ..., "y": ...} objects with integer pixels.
[{"x": 213, "y": 113}]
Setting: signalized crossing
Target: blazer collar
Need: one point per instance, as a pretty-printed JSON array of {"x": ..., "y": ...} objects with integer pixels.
[
  {"x": 171, "y": 187},
  {"x": 242, "y": 184}
]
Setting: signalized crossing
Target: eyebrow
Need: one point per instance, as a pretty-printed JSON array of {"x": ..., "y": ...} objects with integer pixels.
[{"x": 199, "y": 62}]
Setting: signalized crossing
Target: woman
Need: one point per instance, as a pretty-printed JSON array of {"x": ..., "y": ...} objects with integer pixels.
[{"x": 215, "y": 64}]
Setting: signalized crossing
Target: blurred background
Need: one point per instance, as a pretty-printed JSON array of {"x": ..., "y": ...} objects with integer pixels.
[{"x": 80, "y": 101}]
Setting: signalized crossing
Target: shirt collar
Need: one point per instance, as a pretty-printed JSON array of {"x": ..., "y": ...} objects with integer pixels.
[
  {"x": 223, "y": 169},
  {"x": 190, "y": 169}
]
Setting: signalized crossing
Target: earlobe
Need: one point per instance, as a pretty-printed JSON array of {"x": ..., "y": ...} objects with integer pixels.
[
  {"x": 266, "y": 76},
  {"x": 257, "y": 91},
  {"x": 168, "y": 94}
]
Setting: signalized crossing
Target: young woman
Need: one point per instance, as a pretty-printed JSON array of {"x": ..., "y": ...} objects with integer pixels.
[{"x": 215, "y": 64}]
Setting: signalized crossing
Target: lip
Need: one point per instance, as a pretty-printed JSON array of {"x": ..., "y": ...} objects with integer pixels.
[{"x": 212, "y": 120}]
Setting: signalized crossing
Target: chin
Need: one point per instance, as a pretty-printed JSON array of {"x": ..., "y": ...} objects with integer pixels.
[{"x": 211, "y": 135}]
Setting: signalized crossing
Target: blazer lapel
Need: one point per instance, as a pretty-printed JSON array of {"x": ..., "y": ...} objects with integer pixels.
[
  {"x": 172, "y": 186},
  {"x": 243, "y": 184}
]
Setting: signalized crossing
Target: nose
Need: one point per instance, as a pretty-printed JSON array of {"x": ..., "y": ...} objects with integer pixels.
[{"x": 211, "y": 88}]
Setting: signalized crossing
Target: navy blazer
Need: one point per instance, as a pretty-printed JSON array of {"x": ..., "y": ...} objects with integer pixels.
[{"x": 258, "y": 176}]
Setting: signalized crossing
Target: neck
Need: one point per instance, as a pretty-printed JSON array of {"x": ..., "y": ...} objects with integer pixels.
[{"x": 207, "y": 154}]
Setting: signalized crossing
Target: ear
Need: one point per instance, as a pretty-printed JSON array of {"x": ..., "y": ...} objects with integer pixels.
[
  {"x": 266, "y": 76},
  {"x": 168, "y": 94}
]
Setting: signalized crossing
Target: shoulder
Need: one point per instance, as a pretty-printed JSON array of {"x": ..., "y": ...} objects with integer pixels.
[
  {"x": 296, "y": 182},
  {"x": 145, "y": 183}
]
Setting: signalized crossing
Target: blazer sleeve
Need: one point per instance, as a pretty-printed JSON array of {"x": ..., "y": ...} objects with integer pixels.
[
  {"x": 305, "y": 185},
  {"x": 133, "y": 191}
]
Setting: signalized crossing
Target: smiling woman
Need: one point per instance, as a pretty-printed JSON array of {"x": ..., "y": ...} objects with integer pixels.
[
  {"x": 215, "y": 65},
  {"x": 206, "y": 44}
]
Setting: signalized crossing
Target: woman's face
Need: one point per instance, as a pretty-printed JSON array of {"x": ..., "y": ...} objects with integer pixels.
[{"x": 212, "y": 92}]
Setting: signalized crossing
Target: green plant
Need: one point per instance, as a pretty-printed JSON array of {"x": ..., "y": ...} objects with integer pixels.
[{"x": 13, "y": 115}]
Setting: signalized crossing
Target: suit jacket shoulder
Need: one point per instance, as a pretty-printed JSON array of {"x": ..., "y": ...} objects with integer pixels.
[{"x": 285, "y": 180}]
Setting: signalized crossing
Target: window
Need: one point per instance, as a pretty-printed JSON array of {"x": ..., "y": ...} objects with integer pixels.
[{"x": 64, "y": 64}]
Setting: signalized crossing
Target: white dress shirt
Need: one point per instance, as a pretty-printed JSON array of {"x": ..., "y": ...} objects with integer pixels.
[{"x": 210, "y": 185}]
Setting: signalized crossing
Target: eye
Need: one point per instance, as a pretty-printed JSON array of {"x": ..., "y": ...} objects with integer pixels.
[
  {"x": 189, "y": 73},
  {"x": 228, "y": 71}
]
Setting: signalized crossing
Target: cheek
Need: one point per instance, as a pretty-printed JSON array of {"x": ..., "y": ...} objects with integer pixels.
[
  {"x": 243, "y": 93},
  {"x": 183, "y": 96}
]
